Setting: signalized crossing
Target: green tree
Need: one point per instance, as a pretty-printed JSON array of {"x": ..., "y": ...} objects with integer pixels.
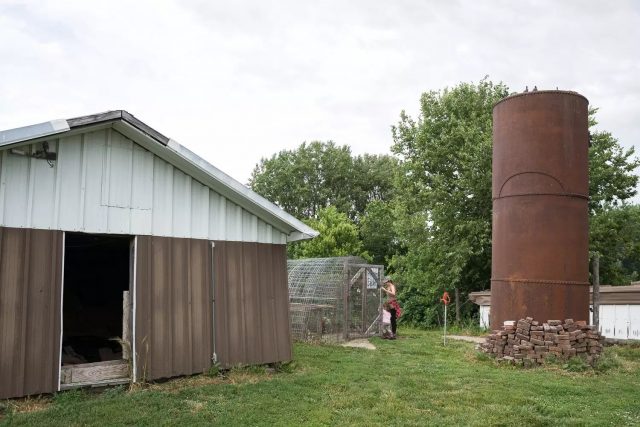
[
  {"x": 377, "y": 231},
  {"x": 444, "y": 195},
  {"x": 321, "y": 174},
  {"x": 338, "y": 237},
  {"x": 304, "y": 180},
  {"x": 373, "y": 177},
  {"x": 611, "y": 170},
  {"x": 615, "y": 235}
]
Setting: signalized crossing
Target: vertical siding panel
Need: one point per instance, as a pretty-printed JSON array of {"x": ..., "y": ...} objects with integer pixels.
[
  {"x": 267, "y": 303},
  {"x": 181, "y": 204},
  {"x": 199, "y": 300},
  {"x": 16, "y": 169},
  {"x": 158, "y": 329},
  {"x": 29, "y": 311},
  {"x": 141, "y": 221},
  {"x": 141, "y": 191},
  {"x": 95, "y": 213},
  {"x": 83, "y": 180},
  {"x": 119, "y": 184},
  {"x": 3, "y": 183},
  {"x": 199, "y": 211},
  {"x": 177, "y": 288},
  {"x": 222, "y": 315},
  {"x": 70, "y": 172},
  {"x": 283, "y": 323},
  {"x": 21, "y": 367},
  {"x": 197, "y": 317},
  {"x": 253, "y": 337},
  {"x": 162, "y": 197},
  {"x": 235, "y": 287},
  {"x": 44, "y": 180},
  {"x": 262, "y": 232},
  {"x": 55, "y": 315},
  {"x": 234, "y": 222},
  {"x": 217, "y": 217},
  {"x": 120, "y": 171},
  {"x": 208, "y": 307},
  {"x": 249, "y": 227},
  {"x": 41, "y": 358},
  {"x": 30, "y": 185},
  {"x": 168, "y": 308},
  {"x": 142, "y": 178},
  {"x": 11, "y": 250}
]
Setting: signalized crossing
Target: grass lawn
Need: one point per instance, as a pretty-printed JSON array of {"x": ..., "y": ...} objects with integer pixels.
[{"x": 411, "y": 381}]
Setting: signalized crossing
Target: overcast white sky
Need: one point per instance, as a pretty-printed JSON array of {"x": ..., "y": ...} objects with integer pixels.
[{"x": 239, "y": 80}]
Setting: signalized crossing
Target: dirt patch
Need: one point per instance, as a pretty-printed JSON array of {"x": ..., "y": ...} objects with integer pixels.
[
  {"x": 360, "y": 343},
  {"x": 477, "y": 340}
]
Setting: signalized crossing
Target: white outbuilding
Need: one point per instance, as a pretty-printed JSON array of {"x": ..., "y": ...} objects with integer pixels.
[{"x": 619, "y": 310}]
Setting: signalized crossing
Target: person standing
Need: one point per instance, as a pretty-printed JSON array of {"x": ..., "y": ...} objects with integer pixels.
[{"x": 394, "y": 308}]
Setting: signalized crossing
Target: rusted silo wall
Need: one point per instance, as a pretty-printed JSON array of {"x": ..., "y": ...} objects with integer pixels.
[{"x": 540, "y": 260}]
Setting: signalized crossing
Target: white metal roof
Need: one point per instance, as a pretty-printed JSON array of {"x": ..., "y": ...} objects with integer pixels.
[{"x": 171, "y": 151}]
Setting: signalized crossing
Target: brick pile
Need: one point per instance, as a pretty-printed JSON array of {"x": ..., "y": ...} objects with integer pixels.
[{"x": 529, "y": 342}]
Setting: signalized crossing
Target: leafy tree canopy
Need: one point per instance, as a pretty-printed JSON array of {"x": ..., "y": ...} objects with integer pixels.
[
  {"x": 338, "y": 237},
  {"x": 444, "y": 193},
  {"x": 615, "y": 235},
  {"x": 321, "y": 174},
  {"x": 611, "y": 170},
  {"x": 377, "y": 231}
]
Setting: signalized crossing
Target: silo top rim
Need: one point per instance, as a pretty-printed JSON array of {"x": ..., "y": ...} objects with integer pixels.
[{"x": 538, "y": 92}]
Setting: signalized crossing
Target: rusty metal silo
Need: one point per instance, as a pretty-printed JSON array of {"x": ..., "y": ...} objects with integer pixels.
[{"x": 540, "y": 254}]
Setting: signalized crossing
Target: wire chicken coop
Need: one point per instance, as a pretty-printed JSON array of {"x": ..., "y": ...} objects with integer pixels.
[{"x": 334, "y": 299}]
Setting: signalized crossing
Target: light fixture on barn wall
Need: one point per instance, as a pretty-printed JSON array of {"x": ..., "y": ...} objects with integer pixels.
[{"x": 44, "y": 154}]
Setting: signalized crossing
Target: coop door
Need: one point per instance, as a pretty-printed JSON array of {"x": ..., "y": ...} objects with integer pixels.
[{"x": 364, "y": 300}]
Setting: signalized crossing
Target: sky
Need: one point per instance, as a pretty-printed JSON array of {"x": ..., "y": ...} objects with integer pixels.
[{"x": 239, "y": 81}]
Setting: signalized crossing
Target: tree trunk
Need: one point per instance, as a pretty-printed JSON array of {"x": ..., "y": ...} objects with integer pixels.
[
  {"x": 457, "y": 295},
  {"x": 596, "y": 291}
]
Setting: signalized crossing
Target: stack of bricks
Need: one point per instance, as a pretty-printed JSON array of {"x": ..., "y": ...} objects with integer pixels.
[{"x": 529, "y": 342}]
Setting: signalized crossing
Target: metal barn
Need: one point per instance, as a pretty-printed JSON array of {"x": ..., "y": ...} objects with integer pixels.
[
  {"x": 126, "y": 257},
  {"x": 334, "y": 299}
]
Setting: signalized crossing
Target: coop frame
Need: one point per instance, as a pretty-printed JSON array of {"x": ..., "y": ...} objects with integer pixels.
[{"x": 335, "y": 299}]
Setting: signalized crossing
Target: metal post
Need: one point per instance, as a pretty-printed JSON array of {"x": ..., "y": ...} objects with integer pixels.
[
  {"x": 345, "y": 295},
  {"x": 596, "y": 291},
  {"x": 445, "y": 324},
  {"x": 365, "y": 277}
]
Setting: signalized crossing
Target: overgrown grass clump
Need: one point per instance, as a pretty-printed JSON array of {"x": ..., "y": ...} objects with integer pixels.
[{"x": 410, "y": 381}]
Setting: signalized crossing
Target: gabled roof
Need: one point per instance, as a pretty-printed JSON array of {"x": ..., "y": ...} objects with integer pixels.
[{"x": 174, "y": 153}]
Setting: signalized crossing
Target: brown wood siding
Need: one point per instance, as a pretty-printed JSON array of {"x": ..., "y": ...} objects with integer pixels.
[
  {"x": 251, "y": 303},
  {"x": 30, "y": 282},
  {"x": 173, "y": 307}
]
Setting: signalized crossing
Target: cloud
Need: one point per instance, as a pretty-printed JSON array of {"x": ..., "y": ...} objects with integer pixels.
[{"x": 237, "y": 81}]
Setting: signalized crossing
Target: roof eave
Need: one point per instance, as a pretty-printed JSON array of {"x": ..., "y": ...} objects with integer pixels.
[{"x": 26, "y": 133}]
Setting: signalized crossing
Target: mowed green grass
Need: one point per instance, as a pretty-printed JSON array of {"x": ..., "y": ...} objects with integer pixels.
[{"x": 411, "y": 381}]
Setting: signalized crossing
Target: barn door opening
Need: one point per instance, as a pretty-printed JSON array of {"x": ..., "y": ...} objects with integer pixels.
[{"x": 95, "y": 310}]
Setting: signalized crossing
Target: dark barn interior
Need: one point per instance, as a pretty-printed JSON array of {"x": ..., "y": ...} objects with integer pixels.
[{"x": 96, "y": 272}]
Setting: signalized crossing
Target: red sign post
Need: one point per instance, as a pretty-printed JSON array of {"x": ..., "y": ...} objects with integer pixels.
[{"x": 445, "y": 300}]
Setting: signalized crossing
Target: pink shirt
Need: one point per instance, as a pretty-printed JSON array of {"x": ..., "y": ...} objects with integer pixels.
[{"x": 386, "y": 316}]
